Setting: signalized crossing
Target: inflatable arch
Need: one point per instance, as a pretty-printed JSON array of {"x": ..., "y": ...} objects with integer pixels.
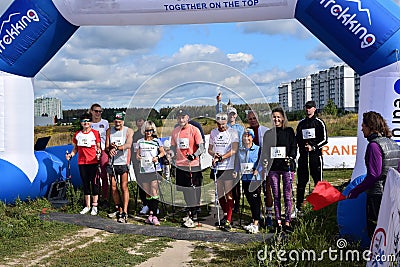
[{"x": 363, "y": 33}]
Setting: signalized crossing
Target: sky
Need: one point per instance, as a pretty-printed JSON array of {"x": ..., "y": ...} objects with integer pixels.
[{"x": 156, "y": 66}]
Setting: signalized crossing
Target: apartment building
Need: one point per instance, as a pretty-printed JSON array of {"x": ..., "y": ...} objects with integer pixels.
[
  {"x": 48, "y": 107},
  {"x": 338, "y": 83}
]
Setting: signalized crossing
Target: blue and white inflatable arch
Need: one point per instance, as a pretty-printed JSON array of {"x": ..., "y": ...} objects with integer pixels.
[{"x": 363, "y": 33}]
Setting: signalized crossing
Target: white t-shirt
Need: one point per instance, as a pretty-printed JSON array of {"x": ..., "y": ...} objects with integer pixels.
[
  {"x": 148, "y": 150},
  {"x": 222, "y": 143},
  {"x": 101, "y": 127}
]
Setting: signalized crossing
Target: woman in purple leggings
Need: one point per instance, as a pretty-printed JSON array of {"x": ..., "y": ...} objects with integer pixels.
[{"x": 279, "y": 150}]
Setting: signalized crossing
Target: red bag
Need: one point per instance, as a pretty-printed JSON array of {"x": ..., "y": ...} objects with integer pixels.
[{"x": 323, "y": 195}]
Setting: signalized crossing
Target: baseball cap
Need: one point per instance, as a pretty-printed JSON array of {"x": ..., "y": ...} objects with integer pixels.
[
  {"x": 232, "y": 110},
  {"x": 249, "y": 131},
  {"x": 310, "y": 104},
  {"x": 182, "y": 112},
  {"x": 119, "y": 116}
]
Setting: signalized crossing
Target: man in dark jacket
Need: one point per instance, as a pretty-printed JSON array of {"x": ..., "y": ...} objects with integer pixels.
[{"x": 311, "y": 136}]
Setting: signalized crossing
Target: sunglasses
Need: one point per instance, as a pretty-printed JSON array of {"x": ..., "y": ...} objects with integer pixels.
[
  {"x": 149, "y": 130},
  {"x": 86, "y": 120},
  {"x": 97, "y": 111}
]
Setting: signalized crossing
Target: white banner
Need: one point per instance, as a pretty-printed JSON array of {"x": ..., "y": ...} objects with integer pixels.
[
  {"x": 340, "y": 152},
  {"x": 385, "y": 243}
]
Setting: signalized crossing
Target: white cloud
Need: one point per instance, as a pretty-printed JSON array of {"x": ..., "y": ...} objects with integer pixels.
[
  {"x": 240, "y": 57},
  {"x": 276, "y": 27}
]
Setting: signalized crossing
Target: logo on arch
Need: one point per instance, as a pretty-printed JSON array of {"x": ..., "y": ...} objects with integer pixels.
[
  {"x": 21, "y": 25},
  {"x": 361, "y": 26}
]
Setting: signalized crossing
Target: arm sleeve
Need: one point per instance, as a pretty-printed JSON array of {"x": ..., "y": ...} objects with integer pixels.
[
  {"x": 374, "y": 170},
  {"x": 200, "y": 150}
]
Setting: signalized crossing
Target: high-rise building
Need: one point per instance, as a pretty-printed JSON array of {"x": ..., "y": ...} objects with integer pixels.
[
  {"x": 48, "y": 107},
  {"x": 339, "y": 84}
]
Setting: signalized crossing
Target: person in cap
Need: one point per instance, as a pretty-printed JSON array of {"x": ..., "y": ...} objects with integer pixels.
[
  {"x": 188, "y": 144},
  {"x": 259, "y": 131},
  {"x": 118, "y": 146},
  {"x": 149, "y": 153},
  {"x": 279, "y": 152},
  {"x": 137, "y": 135},
  {"x": 232, "y": 123},
  {"x": 223, "y": 146},
  {"x": 101, "y": 125},
  {"x": 250, "y": 169},
  {"x": 87, "y": 144},
  {"x": 311, "y": 136}
]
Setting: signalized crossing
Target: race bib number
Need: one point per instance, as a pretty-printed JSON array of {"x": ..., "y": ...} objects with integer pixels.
[
  {"x": 116, "y": 140},
  {"x": 247, "y": 168},
  {"x": 308, "y": 133},
  {"x": 278, "y": 152},
  {"x": 183, "y": 143},
  {"x": 83, "y": 142},
  {"x": 146, "y": 162}
]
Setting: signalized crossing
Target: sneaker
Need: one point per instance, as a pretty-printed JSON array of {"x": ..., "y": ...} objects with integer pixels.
[
  {"x": 155, "y": 221},
  {"x": 144, "y": 210},
  {"x": 94, "y": 211},
  {"x": 149, "y": 219},
  {"x": 221, "y": 222},
  {"x": 85, "y": 210},
  {"x": 227, "y": 226},
  {"x": 287, "y": 229},
  {"x": 268, "y": 221},
  {"x": 253, "y": 229},
  {"x": 123, "y": 218},
  {"x": 184, "y": 219},
  {"x": 247, "y": 227},
  {"x": 189, "y": 223},
  {"x": 114, "y": 214},
  {"x": 194, "y": 217}
]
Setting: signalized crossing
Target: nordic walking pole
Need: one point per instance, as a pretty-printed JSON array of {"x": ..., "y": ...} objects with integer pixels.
[
  {"x": 216, "y": 194},
  {"x": 242, "y": 206},
  {"x": 159, "y": 187},
  {"x": 289, "y": 159}
]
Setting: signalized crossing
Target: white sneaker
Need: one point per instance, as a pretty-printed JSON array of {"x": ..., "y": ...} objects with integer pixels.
[
  {"x": 112, "y": 214},
  {"x": 253, "y": 229},
  {"x": 94, "y": 211},
  {"x": 189, "y": 223},
  {"x": 247, "y": 227},
  {"x": 184, "y": 219},
  {"x": 296, "y": 213},
  {"x": 144, "y": 210},
  {"x": 85, "y": 210}
]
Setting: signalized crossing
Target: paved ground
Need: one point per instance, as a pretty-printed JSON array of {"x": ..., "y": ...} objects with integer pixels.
[{"x": 205, "y": 232}]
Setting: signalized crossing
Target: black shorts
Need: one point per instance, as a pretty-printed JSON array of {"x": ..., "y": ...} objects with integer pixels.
[
  {"x": 222, "y": 175},
  {"x": 183, "y": 177},
  {"x": 148, "y": 177},
  {"x": 119, "y": 169}
]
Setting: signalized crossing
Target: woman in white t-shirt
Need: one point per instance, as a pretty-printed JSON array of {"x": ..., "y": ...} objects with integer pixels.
[
  {"x": 223, "y": 146},
  {"x": 150, "y": 151}
]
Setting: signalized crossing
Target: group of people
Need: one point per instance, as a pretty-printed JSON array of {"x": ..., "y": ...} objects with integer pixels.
[{"x": 260, "y": 157}]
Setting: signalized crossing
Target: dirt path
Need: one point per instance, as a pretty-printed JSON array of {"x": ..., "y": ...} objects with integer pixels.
[{"x": 177, "y": 255}]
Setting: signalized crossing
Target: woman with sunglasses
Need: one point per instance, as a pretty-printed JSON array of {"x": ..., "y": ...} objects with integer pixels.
[
  {"x": 223, "y": 145},
  {"x": 150, "y": 151},
  {"x": 101, "y": 125},
  {"x": 87, "y": 144}
]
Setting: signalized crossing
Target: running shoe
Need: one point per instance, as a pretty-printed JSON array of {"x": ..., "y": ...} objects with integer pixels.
[
  {"x": 144, "y": 210},
  {"x": 189, "y": 223},
  {"x": 149, "y": 219},
  {"x": 253, "y": 229},
  {"x": 94, "y": 211},
  {"x": 114, "y": 214},
  {"x": 221, "y": 222},
  {"x": 123, "y": 218},
  {"x": 268, "y": 220},
  {"x": 247, "y": 227},
  {"x": 227, "y": 226},
  {"x": 85, "y": 210},
  {"x": 155, "y": 221}
]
